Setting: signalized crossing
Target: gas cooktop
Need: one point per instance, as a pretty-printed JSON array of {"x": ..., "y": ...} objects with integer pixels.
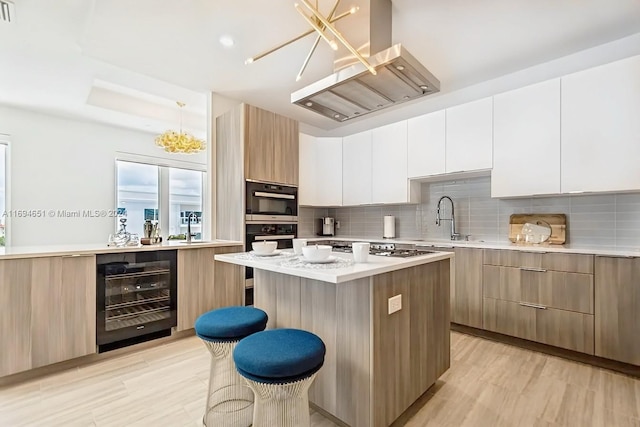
[{"x": 382, "y": 249}]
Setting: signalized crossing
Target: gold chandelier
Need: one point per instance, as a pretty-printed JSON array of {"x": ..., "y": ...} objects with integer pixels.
[
  {"x": 319, "y": 24},
  {"x": 180, "y": 142}
]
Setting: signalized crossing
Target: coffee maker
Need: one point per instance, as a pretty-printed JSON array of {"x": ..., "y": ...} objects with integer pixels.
[{"x": 326, "y": 226}]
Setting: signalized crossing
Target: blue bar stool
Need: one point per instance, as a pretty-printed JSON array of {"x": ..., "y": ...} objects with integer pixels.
[
  {"x": 229, "y": 400},
  {"x": 279, "y": 366}
]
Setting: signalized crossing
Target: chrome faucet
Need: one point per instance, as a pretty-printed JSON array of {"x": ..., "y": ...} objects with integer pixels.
[
  {"x": 454, "y": 235},
  {"x": 189, "y": 235}
]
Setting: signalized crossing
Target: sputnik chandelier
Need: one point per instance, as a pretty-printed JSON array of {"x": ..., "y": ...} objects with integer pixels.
[
  {"x": 326, "y": 31},
  {"x": 180, "y": 142}
]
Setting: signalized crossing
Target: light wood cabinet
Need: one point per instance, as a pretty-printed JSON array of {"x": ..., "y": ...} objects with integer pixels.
[
  {"x": 426, "y": 145},
  {"x": 356, "y": 169},
  {"x": 469, "y": 134},
  {"x": 560, "y": 328},
  {"x": 320, "y": 171},
  {"x": 543, "y": 297},
  {"x": 466, "y": 296},
  {"x": 270, "y": 146},
  {"x": 617, "y": 310},
  {"x": 51, "y": 316},
  {"x": 600, "y": 128},
  {"x": 205, "y": 284},
  {"x": 526, "y": 141}
]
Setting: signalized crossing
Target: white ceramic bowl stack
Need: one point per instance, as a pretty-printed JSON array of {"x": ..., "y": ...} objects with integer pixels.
[
  {"x": 264, "y": 248},
  {"x": 315, "y": 253}
]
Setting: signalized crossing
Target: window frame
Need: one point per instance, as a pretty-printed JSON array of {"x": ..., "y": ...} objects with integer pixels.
[
  {"x": 5, "y": 140},
  {"x": 163, "y": 165}
]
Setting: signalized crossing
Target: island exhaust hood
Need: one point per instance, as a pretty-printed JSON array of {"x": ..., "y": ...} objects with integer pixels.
[{"x": 354, "y": 91}]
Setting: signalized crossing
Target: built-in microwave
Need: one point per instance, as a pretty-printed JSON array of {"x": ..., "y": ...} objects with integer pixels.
[{"x": 269, "y": 203}]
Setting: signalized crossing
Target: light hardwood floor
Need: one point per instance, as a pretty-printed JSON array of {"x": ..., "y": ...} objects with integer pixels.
[{"x": 489, "y": 384}]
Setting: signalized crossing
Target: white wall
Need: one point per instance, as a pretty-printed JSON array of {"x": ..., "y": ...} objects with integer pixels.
[{"x": 65, "y": 164}]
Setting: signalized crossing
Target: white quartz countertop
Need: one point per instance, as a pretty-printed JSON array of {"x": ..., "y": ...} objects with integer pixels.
[
  {"x": 604, "y": 251},
  {"x": 375, "y": 265},
  {"x": 102, "y": 248}
]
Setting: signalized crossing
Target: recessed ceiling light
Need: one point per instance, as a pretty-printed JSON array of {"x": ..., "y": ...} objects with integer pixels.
[
  {"x": 406, "y": 97},
  {"x": 337, "y": 116},
  {"x": 308, "y": 104},
  {"x": 226, "y": 41},
  {"x": 424, "y": 87},
  {"x": 399, "y": 67}
]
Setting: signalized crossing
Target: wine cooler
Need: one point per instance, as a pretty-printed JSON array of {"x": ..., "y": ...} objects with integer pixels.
[{"x": 136, "y": 297}]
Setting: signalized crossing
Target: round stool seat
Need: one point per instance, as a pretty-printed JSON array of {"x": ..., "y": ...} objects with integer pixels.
[
  {"x": 230, "y": 323},
  {"x": 279, "y": 355}
]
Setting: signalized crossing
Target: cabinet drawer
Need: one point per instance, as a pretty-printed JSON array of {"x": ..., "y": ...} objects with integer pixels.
[
  {"x": 554, "y": 289},
  {"x": 560, "y": 328},
  {"x": 574, "y": 263},
  {"x": 512, "y": 258}
]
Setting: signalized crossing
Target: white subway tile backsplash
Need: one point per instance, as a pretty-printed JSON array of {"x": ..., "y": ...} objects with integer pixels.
[{"x": 599, "y": 220}]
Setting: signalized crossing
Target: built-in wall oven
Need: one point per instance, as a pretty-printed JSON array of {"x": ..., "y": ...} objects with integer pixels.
[
  {"x": 136, "y": 297},
  {"x": 269, "y": 203},
  {"x": 283, "y": 233}
]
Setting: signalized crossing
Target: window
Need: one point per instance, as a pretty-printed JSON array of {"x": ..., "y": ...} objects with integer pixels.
[
  {"x": 163, "y": 193},
  {"x": 3, "y": 190}
]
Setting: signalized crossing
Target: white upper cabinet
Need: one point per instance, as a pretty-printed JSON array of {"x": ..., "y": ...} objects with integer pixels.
[
  {"x": 469, "y": 132},
  {"x": 356, "y": 169},
  {"x": 389, "y": 164},
  {"x": 307, "y": 170},
  {"x": 601, "y": 128},
  {"x": 320, "y": 176},
  {"x": 328, "y": 172},
  {"x": 526, "y": 141},
  {"x": 426, "y": 144}
]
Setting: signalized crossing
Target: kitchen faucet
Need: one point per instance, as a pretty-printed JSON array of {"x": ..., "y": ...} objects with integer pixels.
[
  {"x": 189, "y": 235},
  {"x": 454, "y": 235}
]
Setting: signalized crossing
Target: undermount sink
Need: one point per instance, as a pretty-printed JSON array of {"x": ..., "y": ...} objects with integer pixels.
[{"x": 195, "y": 242}]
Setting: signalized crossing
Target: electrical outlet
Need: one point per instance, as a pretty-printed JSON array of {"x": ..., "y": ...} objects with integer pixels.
[
  {"x": 338, "y": 224},
  {"x": 395, "y": 303}
]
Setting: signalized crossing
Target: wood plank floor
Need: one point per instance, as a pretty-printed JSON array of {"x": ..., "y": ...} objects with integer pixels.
[{"x": 489, "y": 384}]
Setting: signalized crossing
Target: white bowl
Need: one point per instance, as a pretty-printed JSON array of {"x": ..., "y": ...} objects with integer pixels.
[
  {"x": 316, "y": 252},
  {"x": 264, "y": 248}
]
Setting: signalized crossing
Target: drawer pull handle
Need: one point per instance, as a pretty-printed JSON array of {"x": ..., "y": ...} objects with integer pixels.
[
  {"x": 528, "y": 304},
  {"x": 537, "y": 270}
]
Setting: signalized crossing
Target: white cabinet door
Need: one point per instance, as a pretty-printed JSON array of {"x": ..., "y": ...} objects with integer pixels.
[
  {"x": 469, "y": 129},
  {"x": 356, "y": 169},
  {"x": 526, "y": 141},
  {"x": 601, "y": 128},
  {"x": 426, "y": 144},
  {"x": 389, "y": 183},
  {"x": 307, "y": 170},
  {"x": 328, "y": 172}
]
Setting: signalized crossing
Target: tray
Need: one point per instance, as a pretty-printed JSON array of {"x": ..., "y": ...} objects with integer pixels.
[{"x": 558, "y": 223}]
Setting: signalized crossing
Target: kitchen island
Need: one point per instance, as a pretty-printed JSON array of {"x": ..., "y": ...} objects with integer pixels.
[{"x": 377, "y": 364}]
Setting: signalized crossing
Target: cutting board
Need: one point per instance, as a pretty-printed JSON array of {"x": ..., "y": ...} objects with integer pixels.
[{"x": 558, "y": 223}]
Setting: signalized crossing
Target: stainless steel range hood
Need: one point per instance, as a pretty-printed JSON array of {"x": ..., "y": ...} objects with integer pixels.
[{"x": 353, "y": 91}]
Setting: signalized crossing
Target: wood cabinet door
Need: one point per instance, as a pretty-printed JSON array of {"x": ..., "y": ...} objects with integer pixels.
[
  {"x": 205, "y": 284},
  {"x": 426, "y": 145},
  {"x": 389, "y": 182},
  {"x": 15, "y": 316},
  {"x": 617, "y": 309},
  {"x": 467, "y": 298},
  {"x": 526, "y": 141},
  {"x": 600, "y": 128},
  {"x": 286, "y": 147},
  {"x": 259, "y": 148},
  {"x": 63, "y": 304},
  {"x": 469, "y": 134},
  {"x": 356, "y": 169}
]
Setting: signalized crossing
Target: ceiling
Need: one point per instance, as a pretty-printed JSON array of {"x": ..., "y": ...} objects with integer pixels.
[{"x": 127, "y": 62}]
